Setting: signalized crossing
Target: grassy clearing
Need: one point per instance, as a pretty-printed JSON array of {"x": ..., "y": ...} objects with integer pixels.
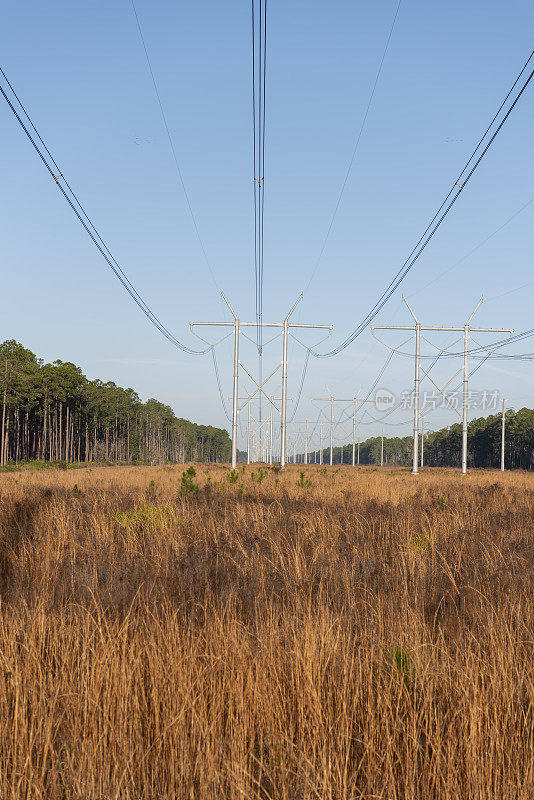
[{"x": 339, "y": 634}]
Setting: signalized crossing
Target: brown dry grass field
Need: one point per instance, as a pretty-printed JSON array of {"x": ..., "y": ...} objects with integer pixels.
[{"x": 366, "y": 636}]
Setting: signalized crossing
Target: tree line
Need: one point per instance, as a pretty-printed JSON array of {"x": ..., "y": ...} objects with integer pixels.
[
  {"x": 443, "y": 448},
  {"x": 52, "y": 412}
]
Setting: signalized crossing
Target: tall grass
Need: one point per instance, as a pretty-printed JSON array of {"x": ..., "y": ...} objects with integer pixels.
[{"x": 366, "y": 636}]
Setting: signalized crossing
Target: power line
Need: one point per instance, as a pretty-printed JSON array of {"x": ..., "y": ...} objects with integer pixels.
[
  {"x": 173, "y": 149},
  {"x": 64, "y": 187},
  {"x": 341, "y": 420},
  {"x": 301, "y": 385},
  {"x": 356, "y": 145},
  {"x": 263, "y": 79},
  {"x": 441, "y": 213},
  {"x": 392, "y": 410},
  {"x": 467, "y": 330},
  {"x": 519, "y": 337},
  {"x": 473, "y": 250},
  {"x": 423, "y": 412},
  {"x": 259, "y": 84},
  {"x": 375, "y": 383},
  {"x": 366, "y": 399},
  {"x": 285, "y": 327},
  {"x": 218, "y": 378}
]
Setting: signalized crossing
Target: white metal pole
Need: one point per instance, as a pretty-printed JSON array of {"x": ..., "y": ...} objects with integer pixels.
[
  {"x": 354, "y": 434},
  {"x": 235, "y": 396},
  {"x": 283, "y": 424},
  {"x": 465, "y": 389},
  {"x": 331, "y": 431},
  {"x": 416, "y": 399},
  {"x": 502, "y": 436},
  {"x": 248, "y": 437},
  {"x": 464, "y": 410},
  {"x": 466, "y": 330},
  {"x": 284, "y": 399},
  {"x": 271, "y": 436}
]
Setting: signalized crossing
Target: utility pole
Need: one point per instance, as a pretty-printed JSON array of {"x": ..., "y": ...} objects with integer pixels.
[
  {"x": 333, "y": 400},
  {"x": 238, "y": 326},
  {"x": 416, "y": 393},
  {"x": 286, "y": 326},
  {"x": 248, "y": 437},
  {"x": 271, "y": 436},
  {"x": 251, "y": 455},
  {"x": 332, "y": 432},
  {"x": 466, "y": 332},
  {"x": 304, "y": 422},
  {"x": 322, "y": 422},
  {"x": 502, "y": 436},
  {"x": 354, "y": 433},
  {"x": 235, "y": 387}
]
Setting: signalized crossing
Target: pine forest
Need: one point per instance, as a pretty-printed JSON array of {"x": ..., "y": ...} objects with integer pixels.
[{"x": 53, "y": 413}]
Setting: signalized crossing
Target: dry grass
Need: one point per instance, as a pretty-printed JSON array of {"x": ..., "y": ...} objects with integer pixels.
[{"x": 370, "y": 636}]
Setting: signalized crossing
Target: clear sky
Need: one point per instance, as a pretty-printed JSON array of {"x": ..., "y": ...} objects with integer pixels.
[{"x": 81, "y": 71}]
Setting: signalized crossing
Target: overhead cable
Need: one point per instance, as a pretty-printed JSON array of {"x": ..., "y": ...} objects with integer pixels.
[
  {"x": 355, "y": 149},
  {"x": 301, "y": 385},
  {"x": 474, "y": 351},
  {"x": 172, "y": 147},
  {"x": 259, "y": 84},
  {"x": 219, "y": 385},
  {"x": 82, "y": 216},
  {"x": 459, "y": 184}
]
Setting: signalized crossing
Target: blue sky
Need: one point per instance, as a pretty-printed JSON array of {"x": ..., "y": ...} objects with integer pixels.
[{"x": 81, "y": 71}]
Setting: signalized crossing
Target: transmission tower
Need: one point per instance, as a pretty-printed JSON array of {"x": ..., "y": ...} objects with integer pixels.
[
  {"x": 332, "y": 400},
  {"x": 466, "y": 331},
  {"x": 252, "y": 421},
  {"x": 285, "y": 327}
]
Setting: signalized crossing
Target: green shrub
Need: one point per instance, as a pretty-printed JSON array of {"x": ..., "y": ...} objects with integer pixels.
[
  {"x": 232, "y": 476},
  {"x": 188, "y": 485},
  {"x": 303, "y": 482}
]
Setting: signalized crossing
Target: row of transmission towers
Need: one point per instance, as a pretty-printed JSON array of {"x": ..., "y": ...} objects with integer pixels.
[
  {"x": 284, "y": 328},
  {"x": 261, "y": 445}
]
